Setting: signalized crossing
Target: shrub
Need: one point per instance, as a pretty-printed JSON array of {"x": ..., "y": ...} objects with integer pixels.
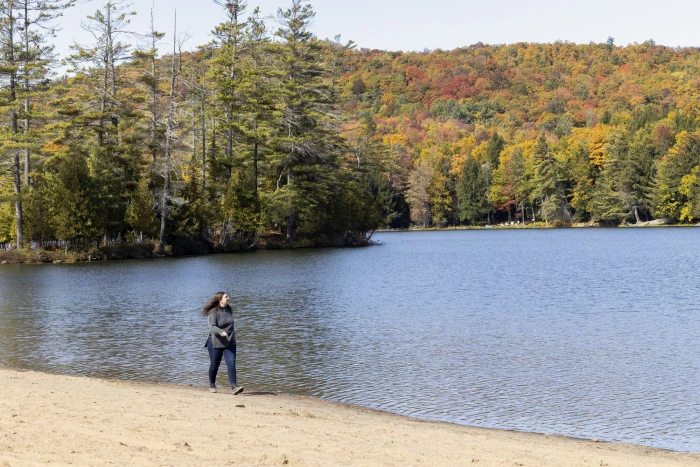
[{"x": 12, "y": 257}]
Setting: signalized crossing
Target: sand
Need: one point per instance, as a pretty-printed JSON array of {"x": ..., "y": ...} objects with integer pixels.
[{"x": 66, "y": 420}]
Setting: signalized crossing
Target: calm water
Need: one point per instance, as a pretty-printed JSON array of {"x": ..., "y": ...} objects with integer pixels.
[{"x": 587, "y": 333}]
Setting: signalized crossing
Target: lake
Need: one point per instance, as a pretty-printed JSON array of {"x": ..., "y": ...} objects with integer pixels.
[{"x": 591, "y": 333}]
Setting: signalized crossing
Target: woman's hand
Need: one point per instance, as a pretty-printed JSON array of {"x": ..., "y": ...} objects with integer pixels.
[{"x": 223, "y": 334}]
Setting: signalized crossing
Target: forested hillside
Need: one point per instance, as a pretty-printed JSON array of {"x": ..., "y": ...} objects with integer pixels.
[
  {"x": 559, "y": 133},
  {"x": 271, "y": 132}
]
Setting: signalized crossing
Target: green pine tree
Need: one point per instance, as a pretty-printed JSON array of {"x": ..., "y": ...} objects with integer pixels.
[
  {"x": 472, "y": 191},
  {"x": 307, "y": 139},
  {"x": 549, "y": 184},
  {"x": 74, "y": 191},
  {"x": 494, "y": 148}
]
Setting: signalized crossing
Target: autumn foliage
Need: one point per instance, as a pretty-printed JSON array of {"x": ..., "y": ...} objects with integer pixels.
[{"x": 558, "y": 133}]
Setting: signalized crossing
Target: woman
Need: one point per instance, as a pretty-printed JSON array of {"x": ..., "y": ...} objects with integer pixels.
[{"x": 221, "y": 341}]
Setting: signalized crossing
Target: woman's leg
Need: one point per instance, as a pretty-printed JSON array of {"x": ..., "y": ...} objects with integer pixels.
[
  {"x": 214, "y": 361},
  {"x": 230, "y": 358}
]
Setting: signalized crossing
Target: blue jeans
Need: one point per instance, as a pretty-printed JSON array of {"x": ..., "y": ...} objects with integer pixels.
[{"x": 229, "y": 355}]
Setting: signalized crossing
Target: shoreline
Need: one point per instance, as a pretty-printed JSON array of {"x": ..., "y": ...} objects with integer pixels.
[
  {"x": 40, "y": 256},
  {"x": 89, "y": 421},
  {"x": 536, "y": 227}
]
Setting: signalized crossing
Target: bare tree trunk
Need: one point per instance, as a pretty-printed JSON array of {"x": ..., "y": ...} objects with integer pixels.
[
  {"x": 27, "y": 167},
  {"x": 18, "y": 203},
  {"x": 291, "y": 218},
  {"x": 193, "y": 132},
  {"x": 164, "y": 199},
  {"x": 110, "y": 49},
  {"x": 203, "y": 129},
  {"x": 636, "y": 214},
  {"x": 213, "y": 132},
  {"x": 105, "y": 76},
  {"x": 154, "y": 114},
  {"x": 255, "y": 170},
  {"x": 229, "y": 142},
  {"x": 19, "y": 219},
  {"x": 255, "y": 160},
  {"x": 168, "y": 147},
  {"x": 103, "y": 107},
  {"x": 154, "y": 94},
  {"x": 234, "y": 11}
]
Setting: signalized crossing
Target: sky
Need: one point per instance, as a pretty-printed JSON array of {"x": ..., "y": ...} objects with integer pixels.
[{"x": 412, "y": 25}]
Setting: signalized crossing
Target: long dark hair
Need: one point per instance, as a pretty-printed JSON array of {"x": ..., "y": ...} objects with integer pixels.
[{"x": 213, "y": 303}]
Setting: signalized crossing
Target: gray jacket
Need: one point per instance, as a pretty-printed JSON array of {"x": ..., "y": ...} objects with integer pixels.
[{"x": 220, "y": 321}]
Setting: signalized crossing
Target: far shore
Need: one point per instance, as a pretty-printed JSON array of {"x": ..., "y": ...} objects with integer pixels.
[
  {"x": 136, "y": 251},
  {"x": 58, "y": 419},
  {"x": 271, "y": 241},
  {"x": 537, "y": 226}
]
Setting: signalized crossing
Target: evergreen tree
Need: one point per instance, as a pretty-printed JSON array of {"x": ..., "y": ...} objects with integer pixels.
[
  {"x": 38, "y": 26},
  {"x": 140, "y": 214},
  {"x": 613, "y": 197},
  {"x": 472, "y": 191},
  {"x": 186, "y": 215},
  {"x": 39, "y": 225},
  {"x": 675, "y": 187},
  {"x": 258, "y": 119},
  {"x": 609, "y": 204},
  {"x": 550, "y": 190},
  {"x": 495, "y": 146},
  {"x": 259, "y": 85},
  {"x": 9, "y": 71},
  {"x": 226, "y": 75},
  {"x": 307, "y": 142},
  {"x": 638, "y": 173},
  {"x": 99, "y": 103},
  {"x": 72, "y": 210}
]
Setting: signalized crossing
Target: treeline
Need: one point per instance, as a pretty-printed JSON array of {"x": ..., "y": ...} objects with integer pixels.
[
  {"x": 200, "y": 151},
  {"x": 552, "y": 133},
  {"x": 275, "y": 133}
]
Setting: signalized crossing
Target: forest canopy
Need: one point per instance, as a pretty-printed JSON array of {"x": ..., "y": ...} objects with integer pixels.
[{"x": 272, "y": 131}]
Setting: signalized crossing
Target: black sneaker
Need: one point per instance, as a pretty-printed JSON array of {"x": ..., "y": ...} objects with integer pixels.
[
  {"x": 236, "y": 390},
  {"x": 212, "y": 388}
]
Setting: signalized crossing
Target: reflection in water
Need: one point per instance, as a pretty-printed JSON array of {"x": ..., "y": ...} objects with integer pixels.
[{"x": 588, "y": 333}]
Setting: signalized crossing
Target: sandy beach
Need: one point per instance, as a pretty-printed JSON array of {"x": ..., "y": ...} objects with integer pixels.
[{"x": 66, "y": 420}]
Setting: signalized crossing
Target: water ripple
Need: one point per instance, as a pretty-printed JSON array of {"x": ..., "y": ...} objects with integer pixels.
[{"x": 593, "y": 334}]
